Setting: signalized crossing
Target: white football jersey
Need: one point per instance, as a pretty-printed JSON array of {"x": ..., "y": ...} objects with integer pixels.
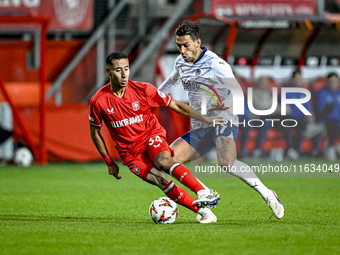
[{"x": 206, "y": 82}]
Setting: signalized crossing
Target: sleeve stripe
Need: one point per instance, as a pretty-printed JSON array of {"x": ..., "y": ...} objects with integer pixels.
[
  {"x": 95, "y": 125},
  {"x": 170, "y": 99}
]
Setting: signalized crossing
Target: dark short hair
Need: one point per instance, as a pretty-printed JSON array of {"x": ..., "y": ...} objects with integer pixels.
[
  {"x": 115, "y": 55},
  {"x": 188, "y": 28},
  {"x": 296, "y": 71},
  {"x": 332, "y": 74}
]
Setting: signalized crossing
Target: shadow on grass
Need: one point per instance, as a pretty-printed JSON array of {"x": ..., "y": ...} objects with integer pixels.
[
  {"x": 75, "y": 219},
  {"x": 124, "y": 220}
]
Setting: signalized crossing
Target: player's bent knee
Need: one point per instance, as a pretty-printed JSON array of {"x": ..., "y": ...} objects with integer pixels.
[
  {"x": 182, "y": 151},
  {"x": 164, "y": 161}
]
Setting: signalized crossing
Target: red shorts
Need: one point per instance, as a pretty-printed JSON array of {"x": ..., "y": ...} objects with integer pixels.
[{"x": 141, "y": 164}]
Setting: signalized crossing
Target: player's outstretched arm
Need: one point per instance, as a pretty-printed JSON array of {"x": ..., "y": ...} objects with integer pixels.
[
  {"x": 99, "y": 142},
  {"x": 190, "y": 112}
]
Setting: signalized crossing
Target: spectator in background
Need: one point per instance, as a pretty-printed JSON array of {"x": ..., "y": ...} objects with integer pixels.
[
  {"x": 328, "y": 104},
  {"x": 245, "y": 129},
  {"x": 262, "y": 100},
  {"x": 303, "y": 121}
]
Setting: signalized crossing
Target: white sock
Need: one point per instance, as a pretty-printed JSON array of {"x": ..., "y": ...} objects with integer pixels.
[{"x": 249, "y": 177}]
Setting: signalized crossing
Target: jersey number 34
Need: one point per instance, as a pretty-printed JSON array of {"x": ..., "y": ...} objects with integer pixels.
[{"x": 155, "y": 139}]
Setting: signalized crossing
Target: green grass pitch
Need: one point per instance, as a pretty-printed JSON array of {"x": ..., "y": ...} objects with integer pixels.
[{"x": 80, "y": 209}]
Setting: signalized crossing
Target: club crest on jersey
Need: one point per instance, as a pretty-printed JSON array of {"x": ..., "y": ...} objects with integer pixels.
[
  {"x": 161, "y": 94},
  {"x": 136, "y": 170},
  {"x": 135, "y": 106},
  {"x": 110, "y": 111},
  {"x": 198, "y": 72}
]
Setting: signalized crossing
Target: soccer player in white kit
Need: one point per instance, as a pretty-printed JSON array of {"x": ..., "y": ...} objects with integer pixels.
[{"x": 203, "y": 73}]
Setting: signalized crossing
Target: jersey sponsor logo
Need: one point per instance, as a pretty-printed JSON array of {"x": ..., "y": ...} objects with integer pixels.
[
  {"x": 190, "y": 85},
  {"x": 127, "y": 121},
  {"x": 135, "y": 106},
  {"x": 110, "y": 111},
  {"x": 162, "y": 95}
]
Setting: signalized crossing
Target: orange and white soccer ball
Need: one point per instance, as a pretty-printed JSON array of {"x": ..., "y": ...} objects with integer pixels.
[{"x": 163, "y": 210}]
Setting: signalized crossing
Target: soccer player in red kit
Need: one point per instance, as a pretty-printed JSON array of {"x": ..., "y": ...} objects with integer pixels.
[{"x": 125, "y": 107}]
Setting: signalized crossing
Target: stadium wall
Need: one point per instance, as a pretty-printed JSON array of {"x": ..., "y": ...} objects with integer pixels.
[
  {"x": 67, "y": 133},
  {"x": 21, "y": 81}
]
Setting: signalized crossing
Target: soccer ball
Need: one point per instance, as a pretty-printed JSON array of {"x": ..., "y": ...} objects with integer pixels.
[
  {"x": 23, "y": 157},
  {"x": 163, "y": 211}
]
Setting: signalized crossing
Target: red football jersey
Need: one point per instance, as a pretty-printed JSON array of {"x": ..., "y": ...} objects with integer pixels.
[{"x": 129, "y": 118}]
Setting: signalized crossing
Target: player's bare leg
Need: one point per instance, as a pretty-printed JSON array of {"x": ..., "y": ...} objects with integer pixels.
[
  {"x": 184, "y": 152},
  {"x": 226, "y": 156},
  {"x": 179, "y": 195}
]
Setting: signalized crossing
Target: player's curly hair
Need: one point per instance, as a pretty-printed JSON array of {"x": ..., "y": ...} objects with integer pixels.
[
  {"x": 188, "y": 28},
  {"x": 115, "y": 55}
]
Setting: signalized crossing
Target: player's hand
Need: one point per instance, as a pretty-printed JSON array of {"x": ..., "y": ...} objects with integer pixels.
[
  {"x": 217, "y": 107},
  {"x": 114, "y": 170}
]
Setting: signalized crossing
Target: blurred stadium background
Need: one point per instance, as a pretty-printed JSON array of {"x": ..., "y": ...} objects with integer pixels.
[{"x": 53, "y": 59}]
